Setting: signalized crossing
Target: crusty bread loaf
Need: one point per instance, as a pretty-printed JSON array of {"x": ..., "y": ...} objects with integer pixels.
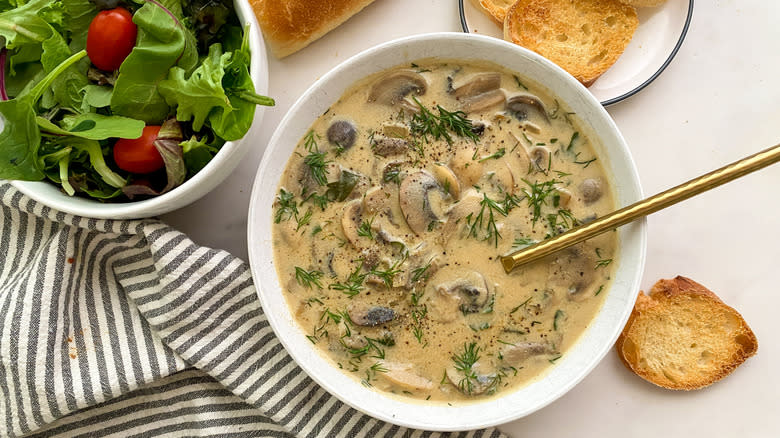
[
  {"x": 495, "y": 9},
  {"x": 584, "y": 37},
  {"x": 644, "y": 3},
  {"x": 290, "y": 25},
  {"x": 682, "y": 336}
]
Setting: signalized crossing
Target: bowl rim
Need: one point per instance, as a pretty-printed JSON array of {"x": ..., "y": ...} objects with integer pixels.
[
  {"x": 189, "y": 191},
  {"x": 278, "y": 319}
]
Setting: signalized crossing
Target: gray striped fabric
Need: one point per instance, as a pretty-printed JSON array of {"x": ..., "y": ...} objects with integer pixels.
[{"x": 127, "y": 328}]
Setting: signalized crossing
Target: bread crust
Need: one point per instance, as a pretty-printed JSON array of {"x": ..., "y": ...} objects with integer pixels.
[
  {"x": 667, "y": 300},
  {"x": 290, "y": 25},
  {"x": 584, "y": 37},
  {"x": 644, "y": 3},
  {"x": 495, "y": 9}
]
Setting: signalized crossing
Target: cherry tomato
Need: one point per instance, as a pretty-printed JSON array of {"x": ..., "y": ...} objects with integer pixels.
[
  {"x": 139, "y": 155},
  {"x": 111, "y": 38}
]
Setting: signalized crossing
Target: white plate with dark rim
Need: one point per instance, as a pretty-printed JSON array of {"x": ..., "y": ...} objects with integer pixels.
[
  {"x": 578, "y": 361},
  {"x": 656, "y": 41}
]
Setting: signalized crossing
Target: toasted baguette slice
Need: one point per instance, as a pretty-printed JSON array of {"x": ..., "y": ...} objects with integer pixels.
[
  {"x": 290, "y": 25},
  {"x": 584, "y": 37},
  {"x": 495, "y": 9},
  {"x": 644, "y": 3},
  {"x": 682, "y": 336}
]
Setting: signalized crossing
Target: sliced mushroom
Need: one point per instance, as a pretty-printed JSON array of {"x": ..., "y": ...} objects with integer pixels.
[
  {"x": 395, "y": 130},
  {"x": 386, "y": 146},
  {"x": 456, "y": 216},
  {"x": 351, "y": 339},
  {"x": 540, "y": 157},
  {"x": 418, "y": 200},
  {"x": 393, "y": 87},
  {"x": 402, "y": 374},
  {"x": 523, "y": 106},
  {"x": 370, "y": 316},
  {"x": 351, "y": 220},
  {"x": 474, "y": 384},
  {"x": 561, "y": 198},
  {"x": 392, "y": 172},
  {"x": 476, "y": 84},
  {"x": 447, "y": 180},
  {"x": 468, "y": 170},
  {"x": 483, "y": 101},
  {"x": 342, "y": 133},
  {"x": 591, "y": 190},
  {"x": 573, "y": 272},
  {"x": 472, "y": 289},
  {"x": 500, "y": 177},
  {"x": 516, "y": 354},
  {"x": 376, "y": 200}
]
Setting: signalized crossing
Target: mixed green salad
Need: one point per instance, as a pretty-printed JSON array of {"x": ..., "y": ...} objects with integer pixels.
[{"x": 120, "y": 99}]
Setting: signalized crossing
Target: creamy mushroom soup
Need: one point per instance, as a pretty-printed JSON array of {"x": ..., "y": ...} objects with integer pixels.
[{"x": 393, "y": 211}]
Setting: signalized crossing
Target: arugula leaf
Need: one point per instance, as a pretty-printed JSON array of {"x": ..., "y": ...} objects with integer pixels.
[
  {"x": 163, "y": 42},
  {"x": 94, "y": 126}
]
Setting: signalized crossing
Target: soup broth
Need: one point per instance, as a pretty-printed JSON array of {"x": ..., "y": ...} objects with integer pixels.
[{"x": 395, "y": 207}]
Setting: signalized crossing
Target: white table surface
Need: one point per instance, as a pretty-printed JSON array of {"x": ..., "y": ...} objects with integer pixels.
[{"x": 718, "y": 101}]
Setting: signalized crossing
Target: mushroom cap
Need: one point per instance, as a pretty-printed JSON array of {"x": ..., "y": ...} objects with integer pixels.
[
  {"x": 523, "y": 105},
  {"x": 342, "y": 133},
  {"x": 393, "y": 87},
  {"x": 418, "y": 206}
]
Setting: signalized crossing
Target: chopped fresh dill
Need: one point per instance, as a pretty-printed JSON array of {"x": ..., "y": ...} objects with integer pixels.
[
  {"x": 354, "y": 283},
  {"x": 392, "y": 173},
  {"x": 371, "y": 372},
  {"x": 287, "y": 207},
  {"x": 538, "y": 196},
  {"x": 559, "y": 315},
  {"x": 327, "y": 317},
  {"x": 487, "y": 222},
  {"x": 562, "y": 174},
  {"x": 308, "y": 278},
  {"x": 561, "y": 221},
  {"x": 418, "y": 313},
  {"x": 429, "y": 126},
  {"x": 315, "y": 160},
  {"x": 601, "y": 288},
  {"x": 388, "y": 274},
  {"x": 316, "y": 230},
  {"x": 520, "y": 306},
  {"x": 585, "y": 163},
  {"x": 419, "y": 273},
  {"x": 464, "y": 362},
  {"x": 303, "y": 220},
  {"x": 484, "y": 326},
  {"x": 310, "y": 142},
  {"x": 574, "y": 137},
  {"x": 519, "y": 84},
  {"x": 495, "y": 155},
  {"x": 522, "y": 242},
  {"x": 556, "y": 358},
  {"x": 602, "y": 263},
  {"x": 364, "y": 230}
]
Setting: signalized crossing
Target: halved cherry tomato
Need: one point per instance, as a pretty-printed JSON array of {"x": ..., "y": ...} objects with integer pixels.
[
  {"x": 111, "y": 37},
  {"x": 139, "y": 155}
]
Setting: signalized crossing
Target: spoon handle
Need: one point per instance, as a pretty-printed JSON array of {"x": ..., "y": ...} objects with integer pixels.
[{"x": 643, "y": 208}]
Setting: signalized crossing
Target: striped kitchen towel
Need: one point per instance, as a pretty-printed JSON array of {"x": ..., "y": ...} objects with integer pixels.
[{"x": 129, "y": 329}]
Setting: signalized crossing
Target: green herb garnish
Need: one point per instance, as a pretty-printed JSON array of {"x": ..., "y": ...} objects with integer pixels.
[{"x": 308, "y": 278}]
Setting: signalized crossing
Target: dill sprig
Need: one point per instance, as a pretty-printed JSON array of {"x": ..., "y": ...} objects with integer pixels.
[
  {"x": 371, "y": 372},
  {"x": 287, "y": 207},
  {"x": 364, "y": 230},
  {"x": 389, "y": 274},
  {"x": 308, "y": 278},
  {"x": 537, "y": 195},
  {"x": 354, "y": 283},
  {"x": 464, "y": 363},
  {"x": 561, "y": 221},
  {"x": 315, "y": 160},
  {"x": 327, "y": 317},
  {"x": 419, "y": 312},
  {"x": 495, "y": 155},
  {"x": 486, "y": 219},
  {"x": 419, "y": 273},
  {"x": 303, "y": 220},
  {"x": 427, "y": 125}
]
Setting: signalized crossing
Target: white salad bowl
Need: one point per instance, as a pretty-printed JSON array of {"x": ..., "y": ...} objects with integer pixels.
[
  {"x": 502, "y": 407},
  {"x": 192, "y": 189}
]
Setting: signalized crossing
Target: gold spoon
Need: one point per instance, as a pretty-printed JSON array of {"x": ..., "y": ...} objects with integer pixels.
[{"x": 643, "y": 208}]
